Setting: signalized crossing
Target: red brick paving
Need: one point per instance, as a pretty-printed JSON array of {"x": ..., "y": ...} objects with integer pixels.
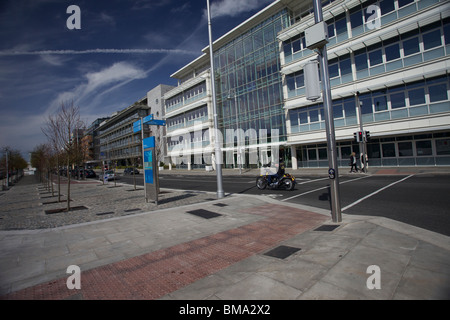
[{"x": 155, "y": 274}]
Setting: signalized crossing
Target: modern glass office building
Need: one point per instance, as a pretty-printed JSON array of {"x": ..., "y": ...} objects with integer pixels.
[{"x": 394, "y": 53}]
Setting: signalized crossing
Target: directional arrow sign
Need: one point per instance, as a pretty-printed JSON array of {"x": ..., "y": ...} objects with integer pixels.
[
  {"x": 157, "y": 122},
  {"x": 137, "y": 126},
  {"x": 148, "y": 119}
]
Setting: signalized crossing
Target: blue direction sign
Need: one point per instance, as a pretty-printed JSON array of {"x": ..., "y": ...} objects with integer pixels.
[
  {"x": 148, "y": 119},
  {"x": 137, "y": 126},
  {"x": 157, "y": 122}
]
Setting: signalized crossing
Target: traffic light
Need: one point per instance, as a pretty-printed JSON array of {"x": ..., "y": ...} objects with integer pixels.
[
  {"x": 367, "y": 136},
  {"x": 358, "y": 136},
  {"x": 355, "y": 136}
]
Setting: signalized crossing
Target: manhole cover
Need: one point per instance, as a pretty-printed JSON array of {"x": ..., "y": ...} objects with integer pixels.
[
  {"x": 326, "y": 227},
  {"x": 282, "y": 252},
  {"x": 104, "y": 213},
  {"x": 220, "y": 204},
  {"x": 204, "y": 213},
  {"x": 131, "y": 210}
]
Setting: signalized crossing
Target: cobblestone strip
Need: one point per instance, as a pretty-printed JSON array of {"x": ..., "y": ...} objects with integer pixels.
[{"x": 155, "y": 274}]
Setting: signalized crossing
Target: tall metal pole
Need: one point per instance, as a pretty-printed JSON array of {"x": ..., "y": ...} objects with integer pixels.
[
  {"x": 329, "y": 121},
  {"x": 218, "y": 151},
  {"x": 143, "y": 156},
  {"x": 7, "y": 170},
  {"x": 362, "y": 143}
]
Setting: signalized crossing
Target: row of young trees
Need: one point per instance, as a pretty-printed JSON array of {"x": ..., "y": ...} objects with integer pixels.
[
  {"x": 11, "y": 163},
  {"x": 63, "y": 148}
]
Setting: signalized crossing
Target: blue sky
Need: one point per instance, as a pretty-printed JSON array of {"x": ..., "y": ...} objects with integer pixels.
[{"x": 123, "y": 49}]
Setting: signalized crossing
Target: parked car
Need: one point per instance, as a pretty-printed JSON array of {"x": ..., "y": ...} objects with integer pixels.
[
  {"x": 109, "y": 175},
  {"x": 130, "y": 171},
  {"x": 90, "y": 173}
]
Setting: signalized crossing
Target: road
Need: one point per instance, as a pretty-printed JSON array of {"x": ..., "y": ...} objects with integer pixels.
[{"x": 422, "y": 200}]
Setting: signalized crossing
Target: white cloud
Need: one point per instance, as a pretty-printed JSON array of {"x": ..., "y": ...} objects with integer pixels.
[
  {"x": 116, "y": 74},
  {"x": 233, "y": 8},
  {"x": 91, "y": 51}
]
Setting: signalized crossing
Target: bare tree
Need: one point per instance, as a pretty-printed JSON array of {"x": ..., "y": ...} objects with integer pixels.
[
  {"x": 52, "y": 132},
  {"x": 69, "y": 122}
]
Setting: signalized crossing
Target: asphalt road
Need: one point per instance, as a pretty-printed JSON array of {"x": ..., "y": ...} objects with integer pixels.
[{"x": 421, "y": 200}]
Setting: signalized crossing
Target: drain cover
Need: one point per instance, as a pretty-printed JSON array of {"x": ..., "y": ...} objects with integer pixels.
[
  {"x": 131, "y": 210},
  {"x": 204, "y": 213},
  {"x": 326, "y": 227},
  {"x": 282, "y": 252},
  {"x": 220, "y": 204},
  {"x": 104, "y": 213}
]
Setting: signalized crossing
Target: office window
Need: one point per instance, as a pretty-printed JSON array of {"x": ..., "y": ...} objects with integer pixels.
[
  {"x": 392, "y": 52},
  {"x": 432, "y": 39},
  {"x": 388, "y": 150},
  {"x": 361, "y": 61},
  {"x": 405, "y": 149},
  {"x": 423, "y": 148},
  {"x": 398, "y": 100},
  {"x": 314, "y": 116},
  {"x": 333, "y": 68},
  {"x": 375, "y": 57},
  {"x": 345, "y": 64},
  {"x": 402, "y": 3},
  {"x": 331, "y": 33},
  {"x": 349, "y": 108},
  {"x": 303, "y": 117},
  {"x": 337, "y": 111},
  {"x": 411, "y": 46},
  {"x": 380, "y": 103},
  {"x": 387, "y": 6},
  {"x": 438, "y": 92},
  {"x": 443, "y": 147},
  {"x": 356, "y": 19},
  {"x": 447, "y": 30},
  {"x": 416, "y": 96},
  {"x": 341, "y": 26}
]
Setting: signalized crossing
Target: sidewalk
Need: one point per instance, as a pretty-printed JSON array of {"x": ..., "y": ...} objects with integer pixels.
[{"x": 236, "y": 248}]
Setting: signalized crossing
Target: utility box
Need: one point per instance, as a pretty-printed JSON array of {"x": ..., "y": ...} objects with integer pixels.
[
  {"x": 316, "y": 36},
  {"x": 312, "y": 83}
]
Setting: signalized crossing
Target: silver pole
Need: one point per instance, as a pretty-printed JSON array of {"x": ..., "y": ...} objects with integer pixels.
[
  {"x": 329, "y": 121},
  {"x": 362, "y": 144},
  {"x": 7, "y": 170},
  {"x": 218, "y": 151},
  {"x": 143, "y": 159}
]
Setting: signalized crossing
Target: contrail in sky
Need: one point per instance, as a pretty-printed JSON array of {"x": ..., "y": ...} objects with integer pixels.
[{"x": 94, "y": 51}]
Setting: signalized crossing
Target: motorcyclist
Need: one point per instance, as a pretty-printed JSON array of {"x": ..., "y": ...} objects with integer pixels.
[{"x": 277, "y": 177}]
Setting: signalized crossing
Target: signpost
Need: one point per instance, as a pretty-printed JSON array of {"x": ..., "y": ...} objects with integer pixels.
[{"x": 149, "y": 158}]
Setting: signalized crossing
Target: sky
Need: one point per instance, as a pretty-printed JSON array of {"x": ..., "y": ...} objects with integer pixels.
[{"x": 104, "y": 57}]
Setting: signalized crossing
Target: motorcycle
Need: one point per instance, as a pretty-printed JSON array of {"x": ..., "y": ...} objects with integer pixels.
[{"x": 287, "y": 181}]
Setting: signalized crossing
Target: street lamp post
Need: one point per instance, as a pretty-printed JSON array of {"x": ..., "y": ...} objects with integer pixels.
[
  {"x": 331, "y": 140},
  {"x": 218, "y": 151}
]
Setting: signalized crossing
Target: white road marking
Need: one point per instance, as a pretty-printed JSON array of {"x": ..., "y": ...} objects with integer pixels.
[
  {"x": 302, "y": 194},
  {"x": 375, "y": 192}
]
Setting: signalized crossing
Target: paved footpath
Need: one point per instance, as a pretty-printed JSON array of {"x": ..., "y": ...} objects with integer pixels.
[{"x": 239, "y": 247}]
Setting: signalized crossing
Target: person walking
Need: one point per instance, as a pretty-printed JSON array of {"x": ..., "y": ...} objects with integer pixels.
[{"x": 353, "y": 162}]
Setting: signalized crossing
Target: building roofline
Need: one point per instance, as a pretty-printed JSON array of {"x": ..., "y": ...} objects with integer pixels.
[{"x": 251, "y": 22}]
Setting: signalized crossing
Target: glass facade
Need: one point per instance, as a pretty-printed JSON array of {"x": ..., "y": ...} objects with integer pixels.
[{"x": 248, "y": 81}]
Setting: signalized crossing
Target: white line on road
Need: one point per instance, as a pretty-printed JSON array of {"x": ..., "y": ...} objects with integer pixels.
[
  {"x": 375, "y": 192},
  {"x": 302, "y": 194}
]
